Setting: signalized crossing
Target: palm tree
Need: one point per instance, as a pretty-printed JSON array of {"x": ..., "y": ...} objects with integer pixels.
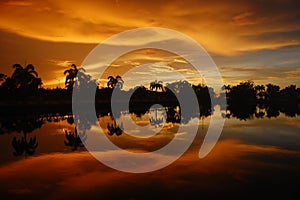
[
  {"x": 115, "y": 82},
  {"x": 120, "y": 82},
  {"x": 111, "y": 82},
  {"x": 156, "y": 85},
  {"x": 2, "y": 77},
  {"x": 2, "y": 80},
  {"x": 25, "y": 78},
  {"x": 71, "y": 75}
]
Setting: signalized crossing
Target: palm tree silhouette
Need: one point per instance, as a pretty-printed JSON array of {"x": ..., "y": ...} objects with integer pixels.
[
  {"x": 24, "y": 124},
  {"x": 115, "y": 82},
  {"x": 71, "y": 75},
  {"x": 74, "y": 139},
  {"x": 2, "y": 77},
  {"x": 156, "y": 85},
  {"x": 156, "y": 121},
  {"x": 115, "y": 129},
  {"x": 22, "y": 145},
  {"x": 25, "y": 78}
]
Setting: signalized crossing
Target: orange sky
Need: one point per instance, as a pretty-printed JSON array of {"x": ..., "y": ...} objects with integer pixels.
[{"x": 248, "y": 40}]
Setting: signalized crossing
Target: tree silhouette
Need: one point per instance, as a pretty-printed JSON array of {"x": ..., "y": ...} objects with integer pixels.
[
  {"x": 272, "y": 92},
  {"x": 24, "y": 125},
  {"x": 74, "y": 140},
  {"x": 173, "y": 114},
  {"x": 115, "y": 82},
  {"x": 84, "y": 81},
  {"x": 290, "y": 100},
  {"x": 156, "y": 85},
  {"x": 23, "y": 146},
  {"x": 114, "y": 129},
  {"x": 290, "y": 93},
  {"x": 70, "y": 76},
  {"x": 241, "y": 100},
  {"x": 156, "y": 121},
  {"x": 2, "y": 77},
  {"x": 227, "y": 88},
  {"x": 24, "y": 79},
  {"x": 243, "y": 93},
  {"x": 203, "y": 96},
  {"x": 260, "y": 91},
  {"x": 178, "y": 86}
]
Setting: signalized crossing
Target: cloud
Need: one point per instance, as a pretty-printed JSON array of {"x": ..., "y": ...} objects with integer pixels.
[
  {"x": 261, "y": 75},
  {"x": 178, "y": 60},
  {"x": 17, "y": 3},
  {"x": 62, "y": 63},
  {"x": 262, "y": 66},
  {"x": 238, "y": 34},
  {"x": 243, "y": 19},
  {"x": 223, "y": 28},
  {"x": 47, "y": 57}
]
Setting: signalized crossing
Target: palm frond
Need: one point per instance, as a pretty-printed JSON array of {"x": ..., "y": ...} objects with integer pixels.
[
  {"x": 29, "y": 67},
  {"x": 67, "y": 71},
  {"x": 17, "y": 66},
  {"x": 34, "y": 73}
]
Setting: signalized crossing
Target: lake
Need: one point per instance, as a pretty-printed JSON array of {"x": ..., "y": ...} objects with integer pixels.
[{"x": 256, "y": 157}]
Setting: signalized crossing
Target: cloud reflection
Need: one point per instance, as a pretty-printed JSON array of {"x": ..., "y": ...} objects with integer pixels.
[{"x": 57, "y": 175}]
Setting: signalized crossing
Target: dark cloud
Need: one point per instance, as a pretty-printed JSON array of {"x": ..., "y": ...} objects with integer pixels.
[{"x": 292, "y": 36}]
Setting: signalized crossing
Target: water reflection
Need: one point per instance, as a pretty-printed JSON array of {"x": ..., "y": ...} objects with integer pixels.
[
  {"x": 173, "y": 115},
  {"x": 25, "y": 124},
  {"x": 74, "y": 140},
  {"x": 231, "y": 170},
  {"x": 113, "y": 128},
  {"x": 250, "y": 111},
  {"x": 258, "y": 151},
  {"x": 156, "y": 117},
  {"x": 23, "y": 146}
]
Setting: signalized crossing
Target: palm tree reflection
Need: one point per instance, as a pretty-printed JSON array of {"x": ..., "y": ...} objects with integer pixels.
[
  {"x": 173, "y": 114},
  {"x": 115, "y": 129},
  {"x": 23, "y": 146},
  {"x": 24, "y": 125},
  {"x": 157, "y": 121},
  {"x": 74, "y": 139}
]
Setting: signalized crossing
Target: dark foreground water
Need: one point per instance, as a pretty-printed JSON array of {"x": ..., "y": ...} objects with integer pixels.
[{"x": 254, "y": 158}]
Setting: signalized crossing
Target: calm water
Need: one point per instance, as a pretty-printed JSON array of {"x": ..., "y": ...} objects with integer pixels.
[{"x": 254, "y": 158}]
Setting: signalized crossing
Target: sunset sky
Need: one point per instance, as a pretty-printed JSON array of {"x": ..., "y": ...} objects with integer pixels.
[{"x": 248, "y": 40}]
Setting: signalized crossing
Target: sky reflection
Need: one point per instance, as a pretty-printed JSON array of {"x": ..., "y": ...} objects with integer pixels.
[
  {"x": 231, "y": 165},
  {"x": 260, "y": 157}
]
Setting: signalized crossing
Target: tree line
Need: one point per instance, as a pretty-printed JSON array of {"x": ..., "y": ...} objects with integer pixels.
[{"x": 25, "y": 83}]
